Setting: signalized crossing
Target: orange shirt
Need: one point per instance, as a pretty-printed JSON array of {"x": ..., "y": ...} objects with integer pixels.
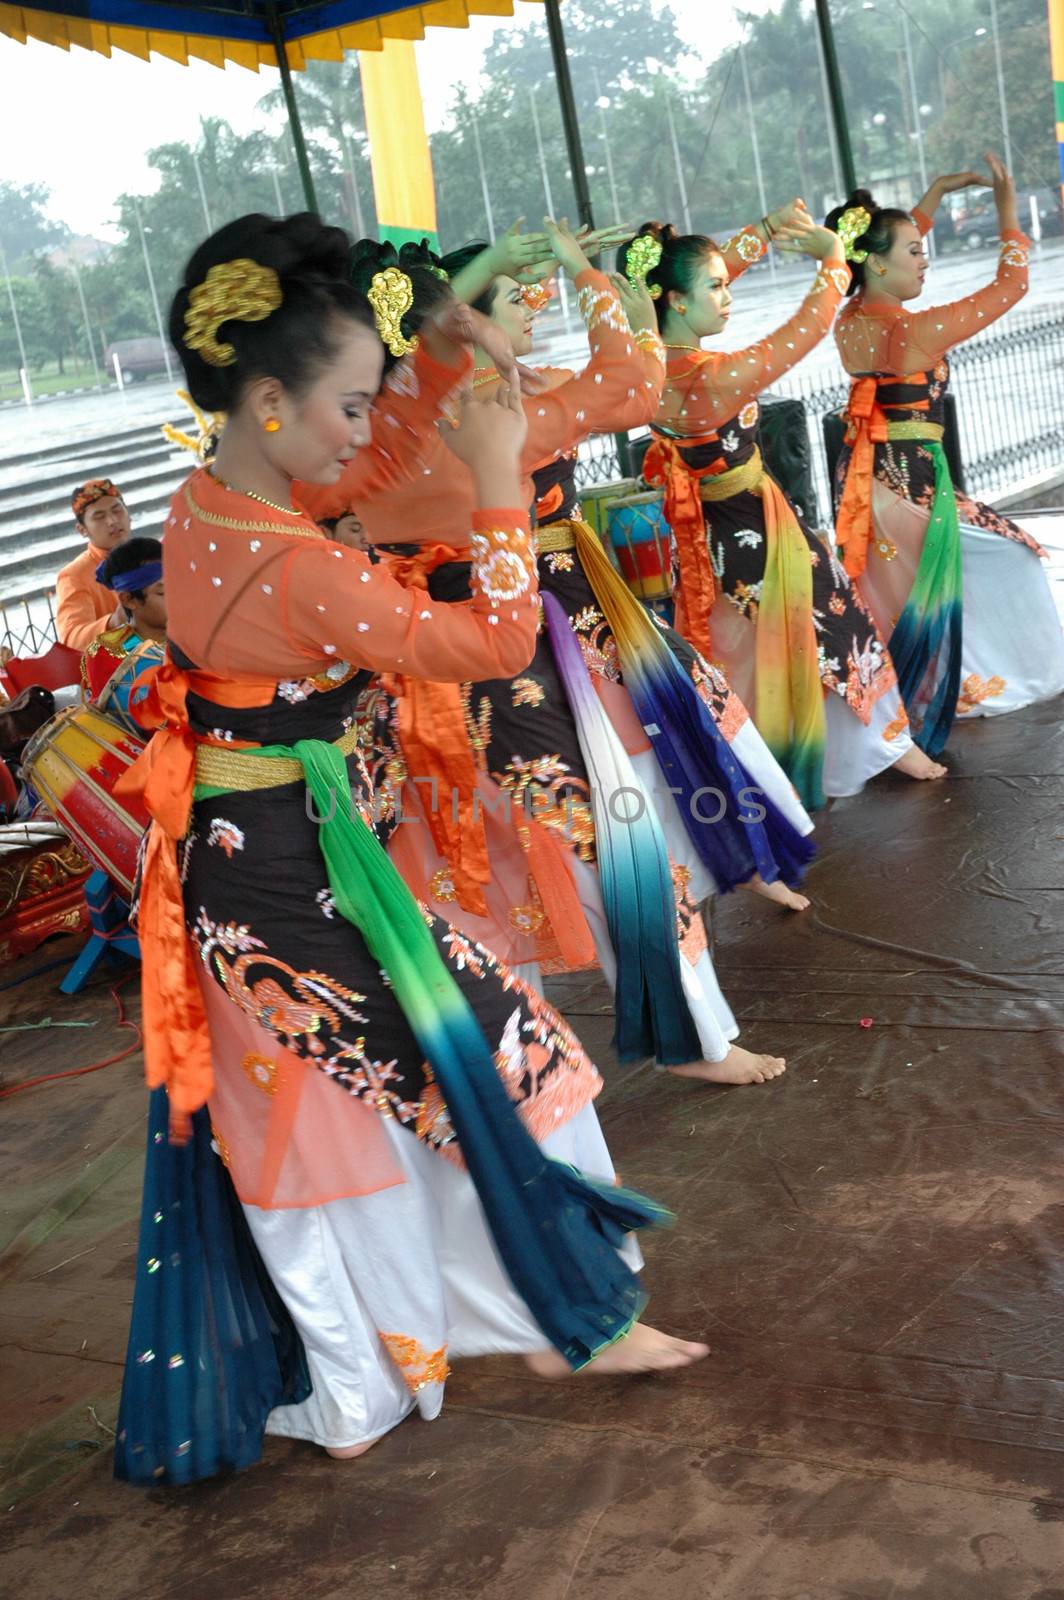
[
  {"x": 708, "y": 388},
  {"x": 883, "y": 337},
  {"x": 257, "y": 593},
  {"x": 83, "y": 607},
  {"x": 407, "y": 487}
]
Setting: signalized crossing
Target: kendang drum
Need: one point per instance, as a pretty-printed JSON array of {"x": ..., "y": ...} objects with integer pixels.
[
  {"x": 72, "y": 764},
  {"x": 639, "y": 536},
  {"x": 118, "y": 698}
]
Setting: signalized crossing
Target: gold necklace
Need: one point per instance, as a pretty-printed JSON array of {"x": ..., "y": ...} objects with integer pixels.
[
  {"x": 249, "y": 494},
  {"x": 484, "y": 377}
]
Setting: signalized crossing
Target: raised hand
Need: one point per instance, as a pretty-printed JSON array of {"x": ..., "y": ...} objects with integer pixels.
[
  {"x": 950, "y": 182},
  {"x": 490, "y": 433},
  {"x": 795, "y": 212},
  {"x": 516, "y": 253},
  {"x": 566, "y": 247},
  {"x": 594, "y": 240},
  {"x": 807, "y": 238},
  {"x": 638, "y": 306},
  {"x": 1004, "y": 190},
  {"x": 462, "y": 325}
]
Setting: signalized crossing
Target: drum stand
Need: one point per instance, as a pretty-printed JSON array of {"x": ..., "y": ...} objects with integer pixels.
[{"x": 110, "y": 934}]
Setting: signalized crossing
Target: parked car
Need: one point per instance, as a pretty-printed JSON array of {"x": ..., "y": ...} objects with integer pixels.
[
  {"x": 978, "y": 225},
  {"x": 138, "y": 358}
]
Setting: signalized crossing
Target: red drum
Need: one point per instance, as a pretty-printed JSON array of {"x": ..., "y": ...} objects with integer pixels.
[
  {"x": 72, "y": 764},
  {"x": 639, "y": 534},
  {"x": 114, "y": 697}
]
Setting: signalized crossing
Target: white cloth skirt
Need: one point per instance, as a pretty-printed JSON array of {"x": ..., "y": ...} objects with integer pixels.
[
  {"x": 386, "y": 1287},
  {"x": 1012, "y": 653}
]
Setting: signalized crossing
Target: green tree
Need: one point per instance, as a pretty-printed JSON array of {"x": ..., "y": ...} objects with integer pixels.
[
  {"x": 25, "y": 227},
  {"x": 58, "y": 294}
]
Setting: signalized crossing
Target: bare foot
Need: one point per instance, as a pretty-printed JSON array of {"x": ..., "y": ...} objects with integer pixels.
[
  {"x": 738, "y": 1066},
  {"x": 643, "y": 1349},
  {"x": 348, "y": 1452},
  {"x": 778, "y": 892},
  {"x": 915, "y": 764}
]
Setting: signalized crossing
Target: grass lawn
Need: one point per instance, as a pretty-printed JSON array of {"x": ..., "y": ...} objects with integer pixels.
[{"x": 46, "y": 380}]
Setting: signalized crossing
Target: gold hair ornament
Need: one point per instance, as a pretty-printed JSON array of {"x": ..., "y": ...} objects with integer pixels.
[
  {"x": 233, "y": 291},
  {"x": 210, "y": 429},
  {"x": 391, "y": 294},
  {"x": 441, "y": 273},
  {"x": 851, "y": 226},
  {"x": 644, "y": 253}
]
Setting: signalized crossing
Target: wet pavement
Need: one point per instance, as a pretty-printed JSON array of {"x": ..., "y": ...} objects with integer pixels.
[{"x": 874, "y": 1248}]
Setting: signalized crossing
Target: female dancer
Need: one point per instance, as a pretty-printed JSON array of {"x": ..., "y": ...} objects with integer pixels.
[
  {"x": 954, "y": 586},
  {"x": 793, "y": 636},
  {"x": 584, "y": 861},
  {"x": 395, "y": 1194}
]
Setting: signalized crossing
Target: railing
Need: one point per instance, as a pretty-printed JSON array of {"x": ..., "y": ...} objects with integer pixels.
[{"x": 1009, "y": 385}]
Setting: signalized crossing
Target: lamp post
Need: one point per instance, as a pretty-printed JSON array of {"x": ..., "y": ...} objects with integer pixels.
[
  {"x": 483, "y": 173},
  {"x": 202, "y": 190},
  {"x": 602, "y": 103},
  {"x": 1002, "y": 104},
  {"x": 25, "y": 371},
  {"x": 762, "y": 199},
  {"x": 88, "y": 324},
  {"x": 680, "y": 183},
  {"x": 563, "y": 293},
  {"x": 154, "y": 297}
]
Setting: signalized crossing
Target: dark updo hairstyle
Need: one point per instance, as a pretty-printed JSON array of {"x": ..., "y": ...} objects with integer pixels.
[
  {"x": 681, "y": 256},
  {"x": 135, "y": 552},
  {"x": 877, "y": 238},
  {"x": 295, "y": 342},
  {"x": 455, "y": 260},
  {"x": 422, "y": 267}
]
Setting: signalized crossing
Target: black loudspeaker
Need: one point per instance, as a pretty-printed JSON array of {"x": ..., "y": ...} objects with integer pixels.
[
  {"x": 785, "y": 449},
  {"x": 834, "y": 430}
]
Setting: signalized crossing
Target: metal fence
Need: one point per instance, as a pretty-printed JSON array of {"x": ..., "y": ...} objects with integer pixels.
[{"x": 1009, "y": 386}]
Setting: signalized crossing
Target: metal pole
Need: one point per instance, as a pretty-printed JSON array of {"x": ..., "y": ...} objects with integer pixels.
[
  {"x": 88, "y": 324},
  {"x": 360, "y": 221},
  {"x": 14, "y": 310},
  {"x": 606, "y": 146},
  {"x": 277, "y": 191},
  {"x": 833, "y": 141},
  {"x": 273, "y": 22},
  {"x": 569, "y": 117},
  {"x": 154, "y": 296},
  {"x": 761, "y": 197},
  {"x": 917, "y": 123},
  {"x": 684, "y": 207},
  {"x": 202, "y": 190},
  {"x": 836, "y": 98},
  {"x": 1001, "y": 87},
  {"x": 563, "y": 293},
  {"x": 483, "y": 174}
]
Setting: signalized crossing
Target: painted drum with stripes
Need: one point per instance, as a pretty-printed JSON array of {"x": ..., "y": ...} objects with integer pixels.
[{"x": 72, "y": 764}]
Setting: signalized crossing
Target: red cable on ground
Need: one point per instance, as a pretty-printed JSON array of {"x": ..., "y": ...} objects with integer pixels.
[{"x": 96, "y": 1066}]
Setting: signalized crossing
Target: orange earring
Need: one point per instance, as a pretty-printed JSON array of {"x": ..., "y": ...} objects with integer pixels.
[
  {"x": 682, "y": 308},
  {"x": 272, "y": 425}
]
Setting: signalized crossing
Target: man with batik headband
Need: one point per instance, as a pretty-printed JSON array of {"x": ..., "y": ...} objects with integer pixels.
[{"x": 84, "y": 607}]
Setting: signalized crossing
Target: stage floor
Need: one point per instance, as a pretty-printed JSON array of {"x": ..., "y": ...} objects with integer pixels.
[{"x": 874, "y": 1248}]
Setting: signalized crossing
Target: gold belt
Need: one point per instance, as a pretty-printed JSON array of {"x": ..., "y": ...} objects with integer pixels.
[
  {"x": 244, "y": 770},
  {"x": 737, "y": 480},
  {"x": 915, "y": 429},
  {"x": 556, "y": 536}
]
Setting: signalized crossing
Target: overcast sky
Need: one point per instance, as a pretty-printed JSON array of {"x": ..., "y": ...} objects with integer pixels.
[{"x": 81, "y": 123}]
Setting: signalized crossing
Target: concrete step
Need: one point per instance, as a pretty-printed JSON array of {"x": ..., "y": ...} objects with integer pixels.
[
  {"x": 24, "y": 494},
  {"x": 22, "y": 519}
]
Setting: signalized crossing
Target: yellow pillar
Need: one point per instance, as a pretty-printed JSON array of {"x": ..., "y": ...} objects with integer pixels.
[{"x": 398, "y": 144}]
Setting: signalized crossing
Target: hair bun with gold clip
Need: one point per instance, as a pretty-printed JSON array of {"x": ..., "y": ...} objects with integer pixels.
[
  {"x": 851, "y": 226},
  {"x": 643, "y": 256},
  {"x": 391, "y": 294},
  {"x": 233, "y": 291}
]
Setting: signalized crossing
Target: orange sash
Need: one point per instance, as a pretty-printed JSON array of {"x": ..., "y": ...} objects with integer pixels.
[
  {"x": 697, "y": 588},
  {"x": 867, "y": 427},
  {"x": 177, "y": 1044},
  {"x": 437, "y": 750}
]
